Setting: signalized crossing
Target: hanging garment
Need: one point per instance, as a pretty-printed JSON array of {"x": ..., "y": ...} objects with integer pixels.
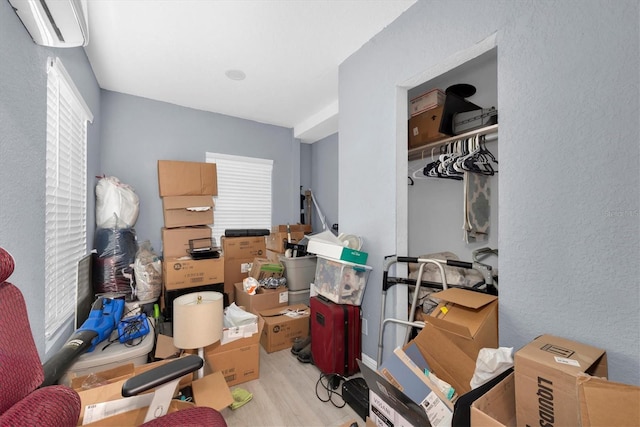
[{"x": 477, "y": 207}]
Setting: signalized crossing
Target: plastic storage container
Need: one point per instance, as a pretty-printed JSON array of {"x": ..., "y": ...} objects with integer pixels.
[
  {"x": 299, "y": 297},
  {"x": 114, "y": 355},
  {"x": 340, "y": 281},
  {"x": 299, "y": 272}
]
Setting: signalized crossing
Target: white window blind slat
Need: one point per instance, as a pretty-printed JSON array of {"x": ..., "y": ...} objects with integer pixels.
[
  {"x": 244, "y": 193},
  {"x": 65, "y": 210}
]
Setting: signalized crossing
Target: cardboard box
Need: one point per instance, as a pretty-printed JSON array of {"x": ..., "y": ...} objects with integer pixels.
[
  {"x": 175, "y": 241},
  {"x": 239, "y": 360},
  {"x": 244, "y": 247},
  {"x": 176, "y": 178},
  {"x": 180, "y": 273},
  {"x": 137, "y": 416},
  {"x": 264, "y": 299},
  {"x": 184, "y": 211},
  {"x": 165, "y": 348},
  {"x": 123, "y": 372},
  {"x": 169, "y": 296},
  {"x": 424, "y": 127},
  {"x": 110, "y": 388},
  {"x": 276, "y": 241},
  {"x": 389, "y": 406},
  {"x": 463, "y": 323},
  {"x": 273, "y": 256},
  {"x": 282, "y": 228},
  {"x": 401, "y": 371},
  {"x": 236, "y": 270},
  {"x": 233, "y": 333},
  {"x": 210, "y": 391},
  {"x": 426, "y": 101},
  {"x": 280, "y": 330},
  {"x": 497, "y": 407},
  {"x": 262, "y": 268},
  {"x": 546, "y": 372},
  {"x": 239, "y": 253},
  {"x": 605, "y": 402}
]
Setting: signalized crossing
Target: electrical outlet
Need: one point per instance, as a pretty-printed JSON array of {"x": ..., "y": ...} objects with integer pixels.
[{"x": 364, "y": 326}]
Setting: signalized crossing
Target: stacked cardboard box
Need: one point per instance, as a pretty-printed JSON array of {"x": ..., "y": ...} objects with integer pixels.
[
  {"x": 277, "y": 240},
  {"x": 426, "y": 115},
  {"x": 239, "y": 253},
  {"x": 187, "y": 190}
]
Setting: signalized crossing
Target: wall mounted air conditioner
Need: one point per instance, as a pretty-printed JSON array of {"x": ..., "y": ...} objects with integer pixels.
[{"x": 55, "y": 23}]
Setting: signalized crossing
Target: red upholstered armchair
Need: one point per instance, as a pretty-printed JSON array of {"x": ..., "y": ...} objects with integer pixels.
[{"x": 22, "y": 402}]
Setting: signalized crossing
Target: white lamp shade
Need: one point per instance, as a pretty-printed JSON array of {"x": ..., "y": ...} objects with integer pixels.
[{"x": 197, "y": 319}]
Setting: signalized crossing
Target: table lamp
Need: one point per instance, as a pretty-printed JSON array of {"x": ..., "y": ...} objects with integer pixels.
[{"x": 197, "y": 321}]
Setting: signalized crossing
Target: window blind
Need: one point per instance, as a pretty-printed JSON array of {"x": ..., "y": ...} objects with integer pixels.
[
  {"x": 66, "y": 195},
  {"x": 244, "y": 193}
]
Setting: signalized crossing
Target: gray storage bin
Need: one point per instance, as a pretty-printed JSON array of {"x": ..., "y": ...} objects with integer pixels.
[
  {"x": 299, "y": 297},
  {"x": 299, "y": 272}
]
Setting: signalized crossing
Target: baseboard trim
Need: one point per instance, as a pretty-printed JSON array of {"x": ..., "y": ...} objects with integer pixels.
[{"x": 370, "y": 362}]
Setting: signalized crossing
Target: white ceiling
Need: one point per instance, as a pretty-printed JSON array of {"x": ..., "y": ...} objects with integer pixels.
[{"x": 178, "y": 51}]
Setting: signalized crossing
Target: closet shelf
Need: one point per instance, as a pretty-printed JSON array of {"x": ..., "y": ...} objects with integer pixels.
[{"x": 425, "y": 150}]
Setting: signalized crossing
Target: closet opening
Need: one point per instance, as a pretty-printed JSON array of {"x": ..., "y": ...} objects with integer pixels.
[{"x": 433, "y": 210}]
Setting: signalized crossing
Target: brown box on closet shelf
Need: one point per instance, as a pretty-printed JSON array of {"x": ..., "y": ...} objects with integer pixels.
[
  {"x": 426, "y": 101},
  {"x": 424, "y": 127}
]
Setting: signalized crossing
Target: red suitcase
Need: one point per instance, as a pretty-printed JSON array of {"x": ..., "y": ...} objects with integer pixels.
[{"x": 336, "y": 334}]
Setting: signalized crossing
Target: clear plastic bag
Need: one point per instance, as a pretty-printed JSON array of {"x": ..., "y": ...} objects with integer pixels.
[
  {"x": 113, "y": 266},
  {"x": 148, "y": 273}
]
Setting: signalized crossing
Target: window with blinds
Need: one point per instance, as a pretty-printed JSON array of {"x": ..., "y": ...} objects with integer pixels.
[
  {"x": 66, "y": 195},
  {"x": 244, "y": 193}
]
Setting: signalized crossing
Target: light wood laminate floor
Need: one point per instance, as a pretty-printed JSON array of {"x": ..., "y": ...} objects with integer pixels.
[{"x": 285, "y": 395}]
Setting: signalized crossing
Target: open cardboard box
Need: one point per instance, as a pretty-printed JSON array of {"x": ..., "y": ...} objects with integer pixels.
[
  {"x": 178, "y": 178},
  {"x": 282, "y": 326},
  {"x": 546, "y": 370},
  {"x": 463, "y": 323},
  {"x": 211, "y": 391},
  {"x": 497, "y": 407},
  {"x": 263, "y": 299},
  {"x": 136, "y": 417},
  {"x": 605, "y": 402},
  {"x": 238, "y": 360}
]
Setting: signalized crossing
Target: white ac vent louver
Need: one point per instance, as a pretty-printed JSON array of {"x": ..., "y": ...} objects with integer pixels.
[{"x": 54, "y": 23}]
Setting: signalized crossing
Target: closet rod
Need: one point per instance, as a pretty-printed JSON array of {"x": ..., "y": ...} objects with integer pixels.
[{"x": 425, "y": 151}]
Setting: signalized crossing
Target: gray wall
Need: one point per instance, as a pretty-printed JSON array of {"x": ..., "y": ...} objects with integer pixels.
[
  {"x": 569, "y": 159},
  {"x": 23, "y": 95},
  {"x": 324, "y": 180},
  {"x": 141, "y": 131}
]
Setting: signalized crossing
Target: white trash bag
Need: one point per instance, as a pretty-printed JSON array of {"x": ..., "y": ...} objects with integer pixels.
[{"x": 117, "y": 204}]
